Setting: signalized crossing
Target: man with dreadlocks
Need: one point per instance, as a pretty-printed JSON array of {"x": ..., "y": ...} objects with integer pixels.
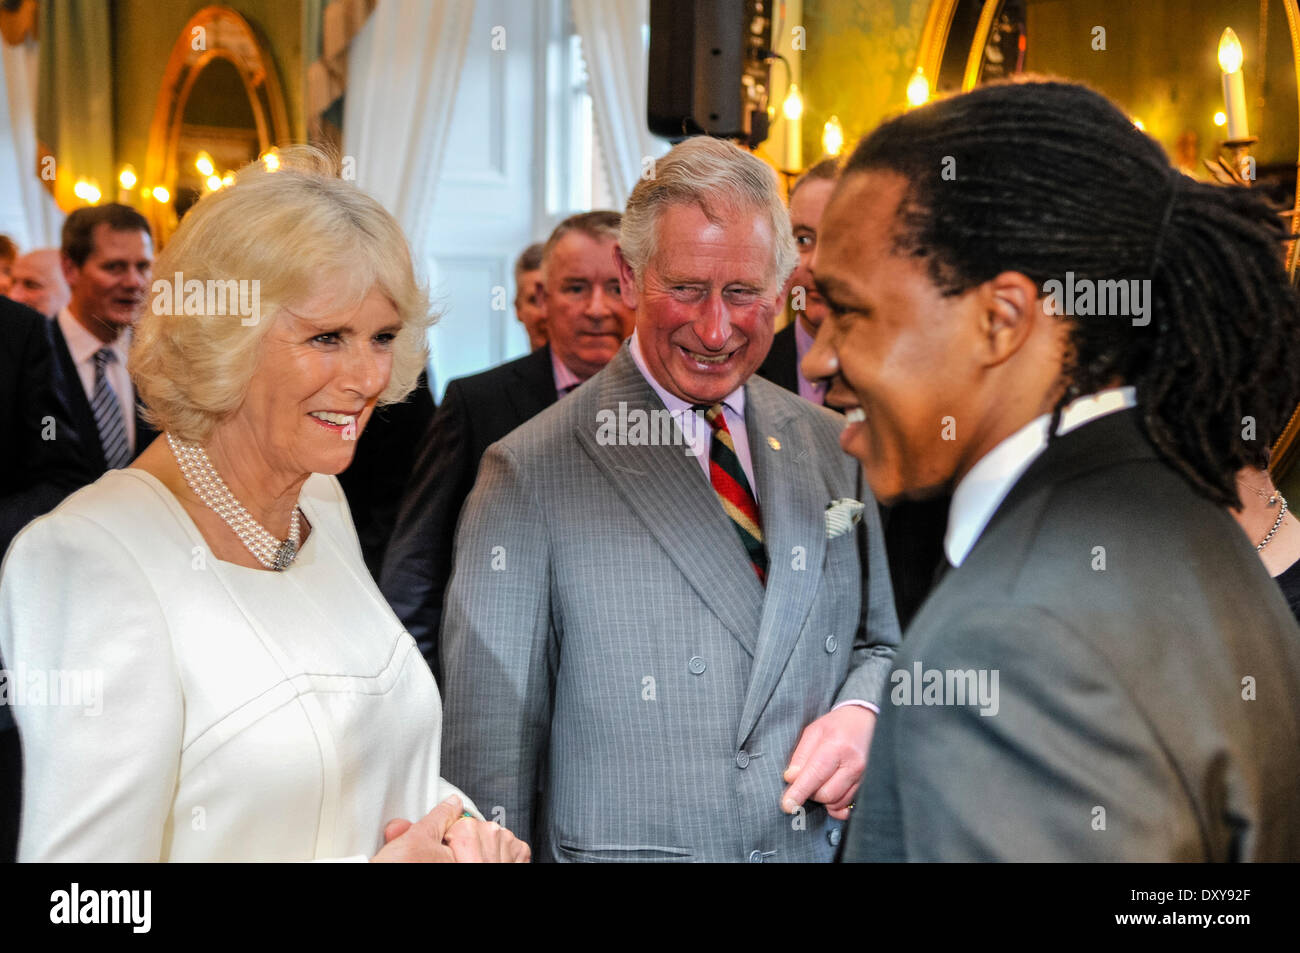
[{"x": 1108, "y": 673}]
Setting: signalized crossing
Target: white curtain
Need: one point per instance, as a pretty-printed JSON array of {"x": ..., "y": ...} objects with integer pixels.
[
  {"x": 613, "y": 36},
  {"x": 403, "y": 71},
  {"x": 28, "y": 213}
]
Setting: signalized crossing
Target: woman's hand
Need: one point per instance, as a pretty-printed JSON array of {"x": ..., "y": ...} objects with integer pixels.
[
  {"x": 421, "y": 842},
  {"x": 474, "y": 842}
]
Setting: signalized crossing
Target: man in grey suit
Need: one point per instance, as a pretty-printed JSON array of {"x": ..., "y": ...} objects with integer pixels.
[
  {"x": 1108, "y": 673},
  {"x": 657, "y": 644},
  {"x": 587, "y": 322}
]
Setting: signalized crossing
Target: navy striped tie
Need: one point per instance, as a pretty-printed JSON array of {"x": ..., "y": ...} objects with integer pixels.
[{"x": 108, "y": 414}]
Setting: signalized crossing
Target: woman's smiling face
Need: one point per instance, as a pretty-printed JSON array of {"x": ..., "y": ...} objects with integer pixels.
[{"x": 315, "y": 385}]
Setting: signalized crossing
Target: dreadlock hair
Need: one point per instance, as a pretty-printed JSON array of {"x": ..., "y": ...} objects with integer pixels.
[{"x": 1049, "y": 177}]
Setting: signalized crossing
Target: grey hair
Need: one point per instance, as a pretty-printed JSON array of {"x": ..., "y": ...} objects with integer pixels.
[
  {"x": 600, "y": 226},
  {"x": 716, "y": 176}
]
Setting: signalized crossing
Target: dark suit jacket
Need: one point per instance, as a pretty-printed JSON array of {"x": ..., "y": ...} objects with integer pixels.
[
  {"x": 476, "y": 412},
  {"x": 781, "y": 366},
  {"x": 381, "y": 467},
  {"x": 1145, "y": 711},
  {"x": 914, "y": 531},
  {"x": 74, "y": 395},
  {"x": 35, "y": 474}
]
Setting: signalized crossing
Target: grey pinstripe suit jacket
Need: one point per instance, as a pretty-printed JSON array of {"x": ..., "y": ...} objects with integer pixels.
[{"x": 618, "y": 685}]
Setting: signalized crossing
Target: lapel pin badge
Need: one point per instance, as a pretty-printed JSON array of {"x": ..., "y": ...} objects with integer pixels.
[{"x": 774, "y": 443}]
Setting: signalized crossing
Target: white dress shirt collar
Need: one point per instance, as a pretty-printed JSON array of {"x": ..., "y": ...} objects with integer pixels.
[
  {"x": 983, "y": 489},
  {"x": 734, "y": 402},
  {"x": 82, "y": 345},
  {"x": 700, "y": 438}
]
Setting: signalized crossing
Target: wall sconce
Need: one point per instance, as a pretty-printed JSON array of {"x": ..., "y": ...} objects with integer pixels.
[
  {"x": 792, "y": 110},
  {"x": 204, "y": 164},
  {"x": 1234, "y": 86}
]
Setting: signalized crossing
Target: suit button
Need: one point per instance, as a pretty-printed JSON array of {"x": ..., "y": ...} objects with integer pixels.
[
  {"x": 742, "y": 759},
  {"x": 755, "y": 856},
  {"x": 832, "y": 643},
  {"x": 833, "y": 835},
  {"x": 696, "y": 665}
]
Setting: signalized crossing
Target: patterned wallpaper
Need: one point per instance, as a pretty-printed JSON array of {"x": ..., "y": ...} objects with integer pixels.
[{"x": 859, "y": 59}]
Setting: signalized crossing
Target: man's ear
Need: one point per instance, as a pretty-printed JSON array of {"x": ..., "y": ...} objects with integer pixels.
[
  {"x": 1010, "y": 313},
  {"x": 539, "y": 292},
  {"x": 781, "y": 293},
  {"x": 70, "y": 270},
  {"x": 626, "y": 279}
]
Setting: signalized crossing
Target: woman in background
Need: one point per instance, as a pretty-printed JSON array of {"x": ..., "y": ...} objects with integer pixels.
[{"x": 1273, "y": 529}]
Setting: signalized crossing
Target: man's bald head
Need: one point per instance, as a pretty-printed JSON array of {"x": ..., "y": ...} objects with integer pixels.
[{"x": 38, "y": 282}]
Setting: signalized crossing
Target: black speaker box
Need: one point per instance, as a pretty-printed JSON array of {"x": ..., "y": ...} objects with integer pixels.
[{"x": 707, "y": 74}]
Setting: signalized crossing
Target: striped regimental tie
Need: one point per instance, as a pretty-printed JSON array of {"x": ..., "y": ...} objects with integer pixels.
[
  {"x": 729, "y": 482},
  {"x": 108, "y": 414}
]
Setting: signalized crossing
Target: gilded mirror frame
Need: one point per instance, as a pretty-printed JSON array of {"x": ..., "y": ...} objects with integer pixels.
[{"x": 214, "y": 32}]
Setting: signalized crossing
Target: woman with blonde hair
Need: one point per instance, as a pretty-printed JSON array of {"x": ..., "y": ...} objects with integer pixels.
[{"x": 245, "y": 691}]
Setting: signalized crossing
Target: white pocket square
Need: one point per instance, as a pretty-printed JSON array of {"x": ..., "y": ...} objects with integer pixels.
[{"x": 842, "y": 516}]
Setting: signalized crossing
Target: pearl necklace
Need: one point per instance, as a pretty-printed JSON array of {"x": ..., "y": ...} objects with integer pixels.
[{"x": 212, "y": 491}]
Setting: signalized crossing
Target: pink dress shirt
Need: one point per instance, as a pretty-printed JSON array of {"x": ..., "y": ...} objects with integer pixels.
[{"x": 814, "y": 391}]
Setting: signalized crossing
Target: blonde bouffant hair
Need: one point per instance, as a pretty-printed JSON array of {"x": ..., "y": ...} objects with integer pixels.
[{"x": 298, "y": 231}]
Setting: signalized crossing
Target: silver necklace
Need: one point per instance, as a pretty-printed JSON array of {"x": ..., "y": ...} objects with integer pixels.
[
  {"x": 1270, "y": 500},
  {"x": 1281, "y": 514},
  {"x": 206, "y": 482}
]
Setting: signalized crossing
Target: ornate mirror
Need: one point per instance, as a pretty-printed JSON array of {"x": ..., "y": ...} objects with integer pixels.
[{"x": 220, "y": 107}]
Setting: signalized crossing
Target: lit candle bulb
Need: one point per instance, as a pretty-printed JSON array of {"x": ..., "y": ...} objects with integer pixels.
[
  {"x": 1234, "y": 85},
  {"x": 792, "y": 109},
  {"x": 833, "y": 136},
  {"x": 126, "y": 180},
  {"x": 918, "y": 88},
  {"x": 87, "y": 191}
]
